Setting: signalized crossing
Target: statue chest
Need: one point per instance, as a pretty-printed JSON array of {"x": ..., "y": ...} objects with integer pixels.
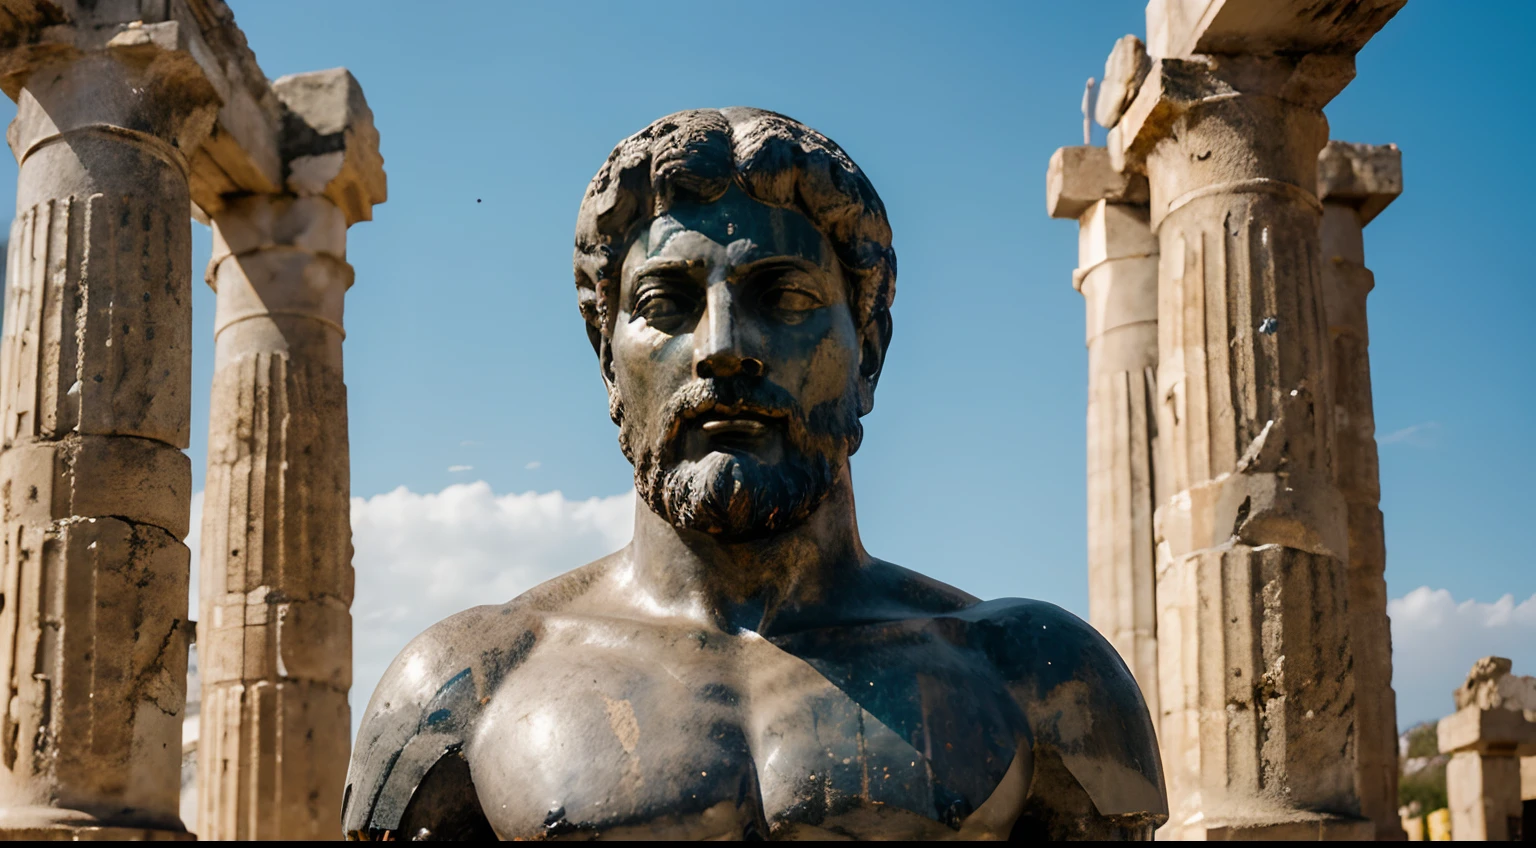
[{"x": 737, "y": 739}]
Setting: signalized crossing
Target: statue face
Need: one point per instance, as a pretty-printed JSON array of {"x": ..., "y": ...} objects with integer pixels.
[{"x": 734, "y": 362}]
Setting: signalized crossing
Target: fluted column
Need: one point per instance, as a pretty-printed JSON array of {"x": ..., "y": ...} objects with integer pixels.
[
  {"x": 1258, "y": 692},
  {"x": 94, "y": 413},
  {"x": 1355, "y": 182},
  {"x": 276, "y": 654},
  {"x": 1117, "y": 275}
]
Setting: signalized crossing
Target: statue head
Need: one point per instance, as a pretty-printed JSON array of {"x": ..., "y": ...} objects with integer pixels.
[{"x": 735, "y": 272}]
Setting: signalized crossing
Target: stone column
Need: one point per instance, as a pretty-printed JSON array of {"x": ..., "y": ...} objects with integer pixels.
[
  {"x": 276, "y": 561},
  {"x": 94, "y": 414},
  {"x": 1483, "y": 776},
  {"x": 1355, "y": 182},
  {"x": 1117, "y": 275},
  {"x": 1257, "y": 689}
]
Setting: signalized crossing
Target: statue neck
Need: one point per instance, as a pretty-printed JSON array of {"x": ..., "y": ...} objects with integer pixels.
[{"x": 761, "y": 585}]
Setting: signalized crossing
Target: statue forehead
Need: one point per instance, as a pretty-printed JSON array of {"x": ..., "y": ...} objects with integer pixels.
[{"x": 745, "y": 228}]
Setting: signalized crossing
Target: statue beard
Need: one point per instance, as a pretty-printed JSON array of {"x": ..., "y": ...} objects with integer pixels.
[{"x": 736, "y": 496}]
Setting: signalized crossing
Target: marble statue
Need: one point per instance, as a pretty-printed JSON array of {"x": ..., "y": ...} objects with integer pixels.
[{"x": 744, "y": 668}]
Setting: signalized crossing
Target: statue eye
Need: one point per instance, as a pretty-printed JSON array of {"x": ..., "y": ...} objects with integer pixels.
[
  {"x": 662, "y": 309},
  {"x": 785, "y": 299}
]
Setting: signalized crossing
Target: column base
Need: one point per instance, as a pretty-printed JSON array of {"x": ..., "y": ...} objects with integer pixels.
[
  {"x": 55, "y": 824},
  {"x": 1308, "y": 827}
]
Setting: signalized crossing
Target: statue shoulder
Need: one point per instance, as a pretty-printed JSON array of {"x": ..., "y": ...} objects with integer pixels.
[
  {"x": 421, "y": 716},
  {"x": 1083, "y": 706}
]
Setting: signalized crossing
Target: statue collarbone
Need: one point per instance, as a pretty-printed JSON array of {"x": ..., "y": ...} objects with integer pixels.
[{"x": 744, "y": 667}]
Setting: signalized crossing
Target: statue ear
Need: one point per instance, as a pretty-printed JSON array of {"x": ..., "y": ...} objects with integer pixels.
[{"x": 875, "y": 339}]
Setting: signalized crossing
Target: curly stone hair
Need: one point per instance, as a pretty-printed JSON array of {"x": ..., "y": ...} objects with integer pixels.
[{"x": 696, "y": 155}]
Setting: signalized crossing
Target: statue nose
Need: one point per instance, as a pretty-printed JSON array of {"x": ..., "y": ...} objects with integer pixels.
[
  {"x": 720, "y": 351},
  {"x": 729, "y": 366}
]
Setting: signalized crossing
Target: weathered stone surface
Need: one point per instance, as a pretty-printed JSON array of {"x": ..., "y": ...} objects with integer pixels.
[
  {"x": 1298, "y": 83},
  {"x": 94, "y": 669},
  {"x": 95, "y": 346},
  {"x": 1270, "y": 554},
  {"x": 1117, "y": 275},
  {"x": 1183, "y": 27},
  {"x": 139, "y": 480},
  {"x": 290, "y": 790},
  {"x": 1258, "y": 694},
  {"x": 1364, "y": 177},
  {"x": 189, "y": 40},
  {"x": 1491, "y": 685},
  {"x": 1484, "y": 795},
  {"x": 277, "y": 576},
  {"x": 1124, "y": 72},
  {"x": 94, "y": 392},
  {"x": 1488, "y": 730},
  {"x": 1079, "y": 177},
  {"x": 330, "y": 146},
  {"x": 1354, "y": 179},
  {"x": 276, "y": 559},
  {"x": 1248, "y": 640}
]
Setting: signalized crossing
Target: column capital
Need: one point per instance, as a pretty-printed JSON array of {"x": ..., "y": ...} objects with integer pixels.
[
  {"x": 1175, "y": 87},
  {"x": 1366, "y": 177},
  {"x": 191, "y": 43},
  {"x": 329, "y": 144},
  {"x": 1078, "y": 177},
  {"x": 1482, "y": 730}
]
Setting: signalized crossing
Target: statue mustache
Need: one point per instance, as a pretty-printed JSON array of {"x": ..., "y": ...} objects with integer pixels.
[{"x": 731, "y": 395}]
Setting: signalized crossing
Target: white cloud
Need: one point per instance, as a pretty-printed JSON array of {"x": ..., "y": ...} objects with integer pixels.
[
  {"x": 455, "y": 469},
  {"x": 420, "y": 558},
  {"x": 1417, "y": 435},
  {"x": 423, "y": 557},
  {"x": 532, "y": 465},
  {"x": 1435, "y": 640}
]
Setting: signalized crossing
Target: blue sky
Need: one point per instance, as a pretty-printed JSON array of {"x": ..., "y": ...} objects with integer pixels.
[{"x": 465, "y": 347}]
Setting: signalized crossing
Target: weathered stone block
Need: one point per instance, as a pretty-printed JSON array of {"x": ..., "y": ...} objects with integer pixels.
[
  {"x": 314, "y": 642},
  {"x": 1484, "y": 796},
  {"x": 1078, "y": 177},
  {"x": 1183, "y": 27},
  {"x": 132, "y": 350},
  {"x": 1114, "y": 230},
  {"x": 1494, "y": 731},
  {"x": 329, "y": 142},
  {"x": 139, "y": 480},
  {"x": 1256, "y": 686},
  {"x": 104, "y": 601},
  {"x": 310, "y": 224},
  {"x": 1124, "y": 72},
  {"x": 277, "y": 284},
  {"x": 281, "y": 734},
  {"x": 1365, "y": 177}
]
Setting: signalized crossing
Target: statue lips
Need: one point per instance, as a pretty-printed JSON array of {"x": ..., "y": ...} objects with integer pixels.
[
  {"x": 729, "y": 422},
  {"x": 738, "y": 431}
]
